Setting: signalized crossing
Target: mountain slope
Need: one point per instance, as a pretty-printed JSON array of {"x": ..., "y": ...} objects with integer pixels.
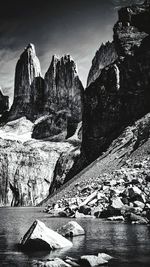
[{"x": 132, "y": 146}]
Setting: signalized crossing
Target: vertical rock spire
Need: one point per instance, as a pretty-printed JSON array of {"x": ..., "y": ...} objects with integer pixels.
[{"x": 27, "y": 81}]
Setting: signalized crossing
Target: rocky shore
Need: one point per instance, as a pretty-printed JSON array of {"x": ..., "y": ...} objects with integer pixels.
[{"x": 123, "y": 196}]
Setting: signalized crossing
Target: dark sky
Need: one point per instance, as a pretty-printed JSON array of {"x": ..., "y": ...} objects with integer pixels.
[{"x": 77, "y": 27}]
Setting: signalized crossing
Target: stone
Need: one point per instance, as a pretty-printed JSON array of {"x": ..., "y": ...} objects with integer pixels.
[
  {"x": 117, "y": 203},
  {"x": 116, "y": 218},
  {"x": 89, "y": 198},
  {"x": 133, "y": 218},
  {"x": 105, "y": 256},
  {"x": 110, "y": 212},
  {"x": 86, "y": 210},
  {"x": 56, "y": 262},
  {"x": 91, "y": 260},
  {"x": 72, "y": 261},
  {"x": 71, "y": 229},
  {"x": 135, "y": 193},
  {"x": 81, "y": 215},
  {"x": 139, "y": 204},
  {"x": 40, "y": 237}
]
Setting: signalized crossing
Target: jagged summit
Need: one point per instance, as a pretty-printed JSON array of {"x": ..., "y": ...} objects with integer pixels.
[
  {"x": 104, "y": 56},
  {"x": 62, "y": 98},
  {"x": 63, "y": 87}
]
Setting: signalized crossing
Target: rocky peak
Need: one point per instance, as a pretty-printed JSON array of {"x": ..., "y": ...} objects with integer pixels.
[
  {"x": 103, "y": 57},
  {"x": 63, "y": 88},
  {"x": 120, "y": 95},
  {"x": 4, "y": 102},
  {"x": 28, "y": 86},
  {"x": 132, "y": 28}
]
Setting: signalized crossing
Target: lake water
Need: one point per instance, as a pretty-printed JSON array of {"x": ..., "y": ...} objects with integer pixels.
[{"x": 128, "y": 244}]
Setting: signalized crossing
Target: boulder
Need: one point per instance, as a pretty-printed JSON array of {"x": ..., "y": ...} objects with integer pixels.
[
  {"x": 72, "y": 261},
  {"x": 40, "y": 237},
  {"x": 51, "y": 263},
  {"x": 105, "y": 256},
  {"x": 71, "y": 229},
  {"x": 91, "y": 261},
  {"x": 89, "y": 198},
  {"x": 116, "y": 218},
  {"x": 139, "y": 204},
  {"x": 86, "y": 210},
  {"x": 109, "y": 212},
  {"x": 133, "y": 218},
  {"x": 117, "y": 203},
  {"x": 135, "y": 194}
]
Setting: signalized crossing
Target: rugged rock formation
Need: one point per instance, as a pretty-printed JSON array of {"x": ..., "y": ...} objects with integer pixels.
[
  {"x": 121, "y": 93},
  {"x": 116, "y": 184},
  {"x": 29, "y": 87},
  {"x": 62, "y": 169},
  {"x": 63, "y": 92},
  {"x": 20, "y": 129},
  {"x": 4, "y": 102},
  {"x": 51, "y": 125},
  {"x": 103, "y": 57},
  {"x": 26, "y": 165}
]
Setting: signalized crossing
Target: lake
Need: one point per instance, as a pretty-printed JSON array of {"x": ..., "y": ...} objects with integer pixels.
[{"x": 128, "y": 244}]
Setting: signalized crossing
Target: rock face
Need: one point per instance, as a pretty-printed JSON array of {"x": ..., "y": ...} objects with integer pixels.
[
  {"x": 113, "y": 178},
  {"x": 26, "y": 165},
  {"x": 4, "y": 102},
  {"x": 104, "y": 56},
  {"x": 121, "y": 93},
  {"x": 29, "y": 87},
  {"x": 63, "y": 91},
  {"x": 41, "y": 237}
]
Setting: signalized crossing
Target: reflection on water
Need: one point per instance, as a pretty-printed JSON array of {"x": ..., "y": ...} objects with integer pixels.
[{"x": 128, "y": 244}]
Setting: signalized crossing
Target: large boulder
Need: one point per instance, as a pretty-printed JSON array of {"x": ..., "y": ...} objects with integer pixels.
[
  {"x": 40, "y": 237},
  {"x": 71, "y": 229}
]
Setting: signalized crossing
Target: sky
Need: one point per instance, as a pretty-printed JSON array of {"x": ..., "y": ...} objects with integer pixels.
[{"x": 75, "y": 27}]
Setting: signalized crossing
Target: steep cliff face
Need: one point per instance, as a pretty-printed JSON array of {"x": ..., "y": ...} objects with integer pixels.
[
  {"x": 126, "y": 159},
  {"x": 26, "y": 166},
  {"x": 104, "y": 56},
  {"x": 4, "y": 102},
  {"x": 121, "y": 93},
  {"x": 29, "y": 86},
  {"x": 63, "y": 93}
]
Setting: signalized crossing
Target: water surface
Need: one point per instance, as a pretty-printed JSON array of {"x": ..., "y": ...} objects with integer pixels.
[{"x": 128, "y": 244}]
